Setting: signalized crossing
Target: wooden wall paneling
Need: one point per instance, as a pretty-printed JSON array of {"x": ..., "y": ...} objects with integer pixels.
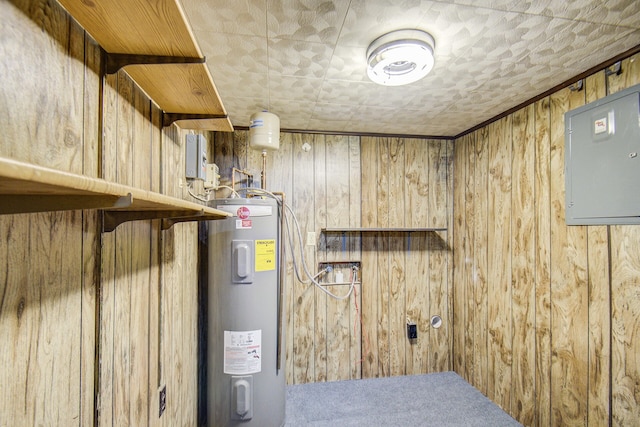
[
  {"x": 599, "y": 366},
  {"x": 301, "y": 315},
  {"x": 337, "y": 215},
  {"x": 320, "y": 197},
  {"x": 370, "y": 243},
  {"x": 625, "y": 328},
  {"x": 459, "y": 255},
  {"x": 141, "y": 394},
  {"x": 110, "y": 101},
  {"x": 167, "y": 261},
  {"x": 122, "y": 369},
  {"x": 18, "y": 318},
  {"x": 190, "y": 321},
  {"x": 467, "y": 279},
  {"x": 480, "y": 253},
  {"x": 438, "y": 254},
  {"x": 42, "y": 309},
  {"x": 91, "y": 236},
  {"x": 354, "y": 245},
  {"x": 155, "y": 306},
  {"x": 223, "y": 157},
  {"x": 397, "y": 250},
  {"x": 280, "y": 178},
  {"x": 542, "y": 215},
  {"x": 499, "y": 262},
  {"x": 54, "y": 299},
  {"x": 384, "y": 261},
  {"x": 417, "y": 296},
  {"x": 569, "y": 304},
  {"x": 522, "y": 254},
  {"x": 448, "y": 241},
  {"x": 50, "y": 75}
]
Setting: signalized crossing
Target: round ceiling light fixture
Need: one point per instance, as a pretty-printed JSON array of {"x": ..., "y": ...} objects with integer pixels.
[{"x": 400, "y": 57}]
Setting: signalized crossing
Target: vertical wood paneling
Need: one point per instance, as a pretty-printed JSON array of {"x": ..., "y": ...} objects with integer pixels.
[
  {"x": 523, "y": 281},
  {"x": 397, "y": 250},
  {"x": 599, "y": 300},
  {"x": 459, "y": 265},
  {"x": 625, "y": 268},
  {"x": 499, "y": 263},
  {"x": 480, "y": 251},
  {"x": 571, "y": 335},
  {"x": 123, "y": 258},
  {"x": 569, "y": 310},
  {"x": 416, "y": 207},
  {"x": 438, "y": 257},
  {"x": 303, "y": 310},
  {"x": 542, "y": 266},
  {"x": 370, "y": 243},
  {"x": 46, "y": 298},
  {"x": 337, "y": 215},
  {"x": 383, "y": 265},
  {"x": 355, "y": 242},
  {"x": 468, "y": 285},
  {"x": 140, "y": 279},
  {"x": 91, "y": 235},
  {"x": 320, "y": 320}
]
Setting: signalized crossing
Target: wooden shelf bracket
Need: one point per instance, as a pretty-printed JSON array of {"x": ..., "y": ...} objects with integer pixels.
[
  {"x": 113, "y": 218},
  {"x": 115, "y": 61},
  {"x": 169, "y": 118}
]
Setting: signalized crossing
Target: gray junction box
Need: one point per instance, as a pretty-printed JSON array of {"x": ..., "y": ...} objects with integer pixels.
[{"x": 602, "y": 161}]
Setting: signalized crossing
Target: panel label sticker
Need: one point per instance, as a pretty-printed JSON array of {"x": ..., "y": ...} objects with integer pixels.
[
  {"x": 242, "y": 352},
  {"x": 600, "y": 126},
  {"x": 243, "y": 224},
  {"x": 265, "y": 255}
]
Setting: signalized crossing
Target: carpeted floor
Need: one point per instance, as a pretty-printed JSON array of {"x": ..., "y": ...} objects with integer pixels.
[{"x": 441, "y": 399}]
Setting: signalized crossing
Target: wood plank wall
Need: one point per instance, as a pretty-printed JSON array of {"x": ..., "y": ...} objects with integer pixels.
[
  {"x": 89, "y": 320},
  {"x": 545, "y": 315},
  {"x": 351, "y": 181}
]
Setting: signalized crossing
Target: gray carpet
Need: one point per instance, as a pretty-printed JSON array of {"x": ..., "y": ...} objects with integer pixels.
[{"x": 441, "y": 399}]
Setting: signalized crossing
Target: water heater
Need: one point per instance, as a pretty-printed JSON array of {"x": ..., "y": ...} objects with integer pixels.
[{"x": 245, "y": 382}]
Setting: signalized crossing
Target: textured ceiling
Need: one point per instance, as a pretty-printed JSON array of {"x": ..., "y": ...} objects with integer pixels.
[{"x": 304, "y": 60}]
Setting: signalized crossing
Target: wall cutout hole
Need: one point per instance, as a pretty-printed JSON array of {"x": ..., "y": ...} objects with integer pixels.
[{"x": 436, "y": 321}]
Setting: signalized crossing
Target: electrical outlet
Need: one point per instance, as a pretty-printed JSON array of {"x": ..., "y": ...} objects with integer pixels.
[
  {"x": 212, "y": 179},
  {"x": 162, "y": 400}
]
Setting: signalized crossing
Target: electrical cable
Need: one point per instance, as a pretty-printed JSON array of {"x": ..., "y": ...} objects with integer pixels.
[{"x": 305, "y": 268}]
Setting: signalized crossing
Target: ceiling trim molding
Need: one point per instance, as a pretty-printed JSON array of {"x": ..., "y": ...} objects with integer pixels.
[{"x": 370, "y": 134}]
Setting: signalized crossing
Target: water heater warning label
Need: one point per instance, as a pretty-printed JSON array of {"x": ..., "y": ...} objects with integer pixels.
[
  {"x": 242, "y": 352},
  {"x": 265, "y": 255}
]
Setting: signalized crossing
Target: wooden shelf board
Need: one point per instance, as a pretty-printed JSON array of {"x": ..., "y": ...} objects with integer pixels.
[
  {"x": 136, "y": 26},
  {"x": 381, "y": 230},
  {"x": 28, "y": 188},
  {"x": 142, "y": 27}
]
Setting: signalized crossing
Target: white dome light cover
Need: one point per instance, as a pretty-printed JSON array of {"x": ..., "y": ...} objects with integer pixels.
[{"x": 400, "y": 57}]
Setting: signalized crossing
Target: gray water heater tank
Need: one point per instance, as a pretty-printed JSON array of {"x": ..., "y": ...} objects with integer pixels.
[{"x": 245, "y": 379}]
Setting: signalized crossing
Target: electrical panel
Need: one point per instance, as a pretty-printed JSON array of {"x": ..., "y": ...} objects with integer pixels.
[
  {"x": 196, "y": 157},
  {"x": 602, "y": 160}
]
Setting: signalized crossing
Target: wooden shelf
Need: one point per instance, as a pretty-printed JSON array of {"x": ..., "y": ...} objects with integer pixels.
[
  {"x": 146, "y": 29},
  {"x": 26, "y": 188},
  {"x": 381, "y": 230}
]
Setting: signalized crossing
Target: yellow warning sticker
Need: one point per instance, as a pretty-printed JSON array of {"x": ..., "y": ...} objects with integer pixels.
[{"x": 265, "y": 255}]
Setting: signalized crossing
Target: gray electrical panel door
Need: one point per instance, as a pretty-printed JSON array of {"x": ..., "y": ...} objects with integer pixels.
[{"x": 602, "y": 161}]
